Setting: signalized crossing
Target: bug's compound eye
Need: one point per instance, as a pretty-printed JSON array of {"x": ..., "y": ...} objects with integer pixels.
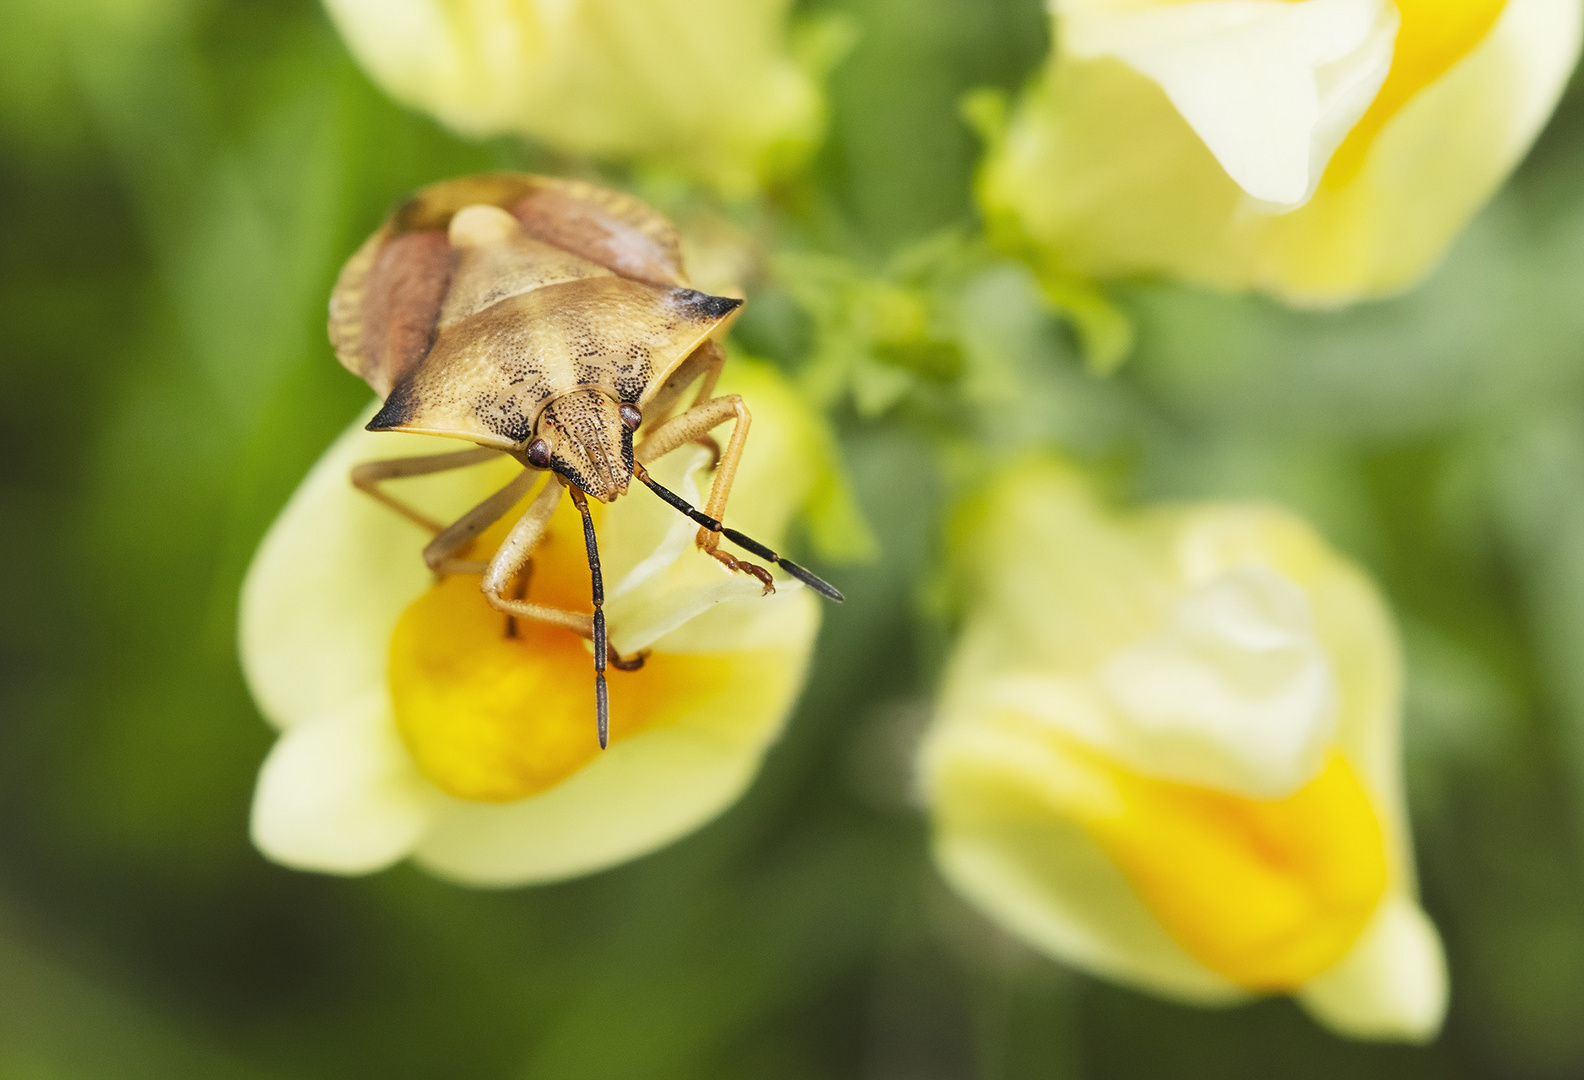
[
  {"x": 630, "y": 416},
  {"x": 538, "y": 453}
]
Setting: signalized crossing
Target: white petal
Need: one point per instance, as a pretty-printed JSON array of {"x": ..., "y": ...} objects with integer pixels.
[
  {"x": 335, "y": 572},
  {"x": 643, "y": 535},
  {"x": 1235, "y": 693},
  {"x": 686, "y": 590},
  {"x": 744, "y": 623},
  {"x": 342, "y": 795},
  {"x": 639, "y": 795},
  {"x": 1271, "y": 87},
  {"x": 675, "y": 582},
  {"x": 1392, "y": 985}
]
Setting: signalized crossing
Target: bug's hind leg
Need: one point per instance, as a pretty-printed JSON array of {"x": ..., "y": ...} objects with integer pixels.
[
  {"x": 368, "y": 477},
  {"x": 440, "y": 553}
]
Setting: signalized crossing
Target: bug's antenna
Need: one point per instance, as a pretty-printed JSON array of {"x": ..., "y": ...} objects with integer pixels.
[
  {"x": 747, "y": 543},
  {"x": 601, "y": 692}
]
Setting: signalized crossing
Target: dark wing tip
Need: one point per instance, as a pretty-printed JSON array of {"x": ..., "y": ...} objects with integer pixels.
[
  {"x": 394, "y": 413},
  {"x": 701, "y": 306}
]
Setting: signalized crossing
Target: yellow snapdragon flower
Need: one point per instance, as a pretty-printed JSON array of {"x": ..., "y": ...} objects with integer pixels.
[
  {"x": 1166, "y": 751},
  {"x": 1319, "y": 150},
  {"x": 418, "y": 721},
  {"x": 710, "y": 86}
]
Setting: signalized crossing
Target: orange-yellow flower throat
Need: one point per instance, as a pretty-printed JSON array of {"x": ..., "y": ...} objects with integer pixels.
[{"x": 496, "y": 709}]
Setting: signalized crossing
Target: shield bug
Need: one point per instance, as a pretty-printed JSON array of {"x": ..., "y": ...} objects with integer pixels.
[{"x": 548, "y": 320}]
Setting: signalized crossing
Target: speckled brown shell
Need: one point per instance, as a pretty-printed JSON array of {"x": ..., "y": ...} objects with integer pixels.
[{"x": 472, "y": 343}]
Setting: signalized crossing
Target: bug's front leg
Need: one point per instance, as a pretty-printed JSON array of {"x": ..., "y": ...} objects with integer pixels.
[
  {"x": 690, "y": 425},
  {"x": 513, "y": 557},
  {"x": 440, "y": 553}
]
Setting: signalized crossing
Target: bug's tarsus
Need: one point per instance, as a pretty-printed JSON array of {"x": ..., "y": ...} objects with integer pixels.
[
  {"x": 747, "y": 543},
  {"x": 622, "y": 663},
  {"x": 601, "y": 646},
  {"x": 736, "y": 565}
]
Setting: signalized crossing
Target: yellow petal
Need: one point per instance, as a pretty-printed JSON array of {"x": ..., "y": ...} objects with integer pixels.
[
  {"x": 495, "y": 717},
  {"x": 649, "y": 788},
  {"x": 1264, "y": 893},
  {"x": 1268, "y": 894},
  {"x": 1271, "y": 87},
  {"x": 1432, "y": 36}
]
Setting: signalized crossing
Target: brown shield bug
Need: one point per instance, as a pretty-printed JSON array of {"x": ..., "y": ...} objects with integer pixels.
[{"x": 546, "y": 320}]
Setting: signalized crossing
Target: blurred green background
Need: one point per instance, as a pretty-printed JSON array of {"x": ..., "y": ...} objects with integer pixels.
[{"x": 179, "y": 182}]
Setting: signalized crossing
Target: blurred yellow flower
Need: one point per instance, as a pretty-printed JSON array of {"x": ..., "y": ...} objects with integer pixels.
[
  {"x": 417, "y": 720},
  {"x": 1166, "y": 751},
  {"x": 1319, "y": 150},
  {"x": 710, "y": 86}
]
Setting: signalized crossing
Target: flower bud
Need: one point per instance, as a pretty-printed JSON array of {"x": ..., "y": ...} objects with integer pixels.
[
  {"x": 707, "y": 86},
  {"x": 1319, "y": 150},
  {"x": 1166, "y": 751}
]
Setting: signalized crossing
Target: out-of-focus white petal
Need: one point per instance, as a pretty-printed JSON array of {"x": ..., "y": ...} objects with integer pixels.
[
  {"x": 1234, "y": 693},
  {"x": 1393, "y": 985},
  {"x": 341, "y": 795},
  {"x": 647, "y": 789},
  {"x": 1271, "y": 87}
]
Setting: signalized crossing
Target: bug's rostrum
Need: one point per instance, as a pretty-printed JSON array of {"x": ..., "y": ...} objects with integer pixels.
[{"x": 590, "y": 444}]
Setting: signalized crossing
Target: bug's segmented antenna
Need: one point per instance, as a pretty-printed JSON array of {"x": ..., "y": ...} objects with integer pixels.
[
  {"x": 747, "y": 543},
  {"x": 601, "y": 691}
]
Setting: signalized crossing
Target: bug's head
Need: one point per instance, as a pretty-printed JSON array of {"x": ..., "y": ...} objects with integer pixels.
[{"x": 587, "y": 438}]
